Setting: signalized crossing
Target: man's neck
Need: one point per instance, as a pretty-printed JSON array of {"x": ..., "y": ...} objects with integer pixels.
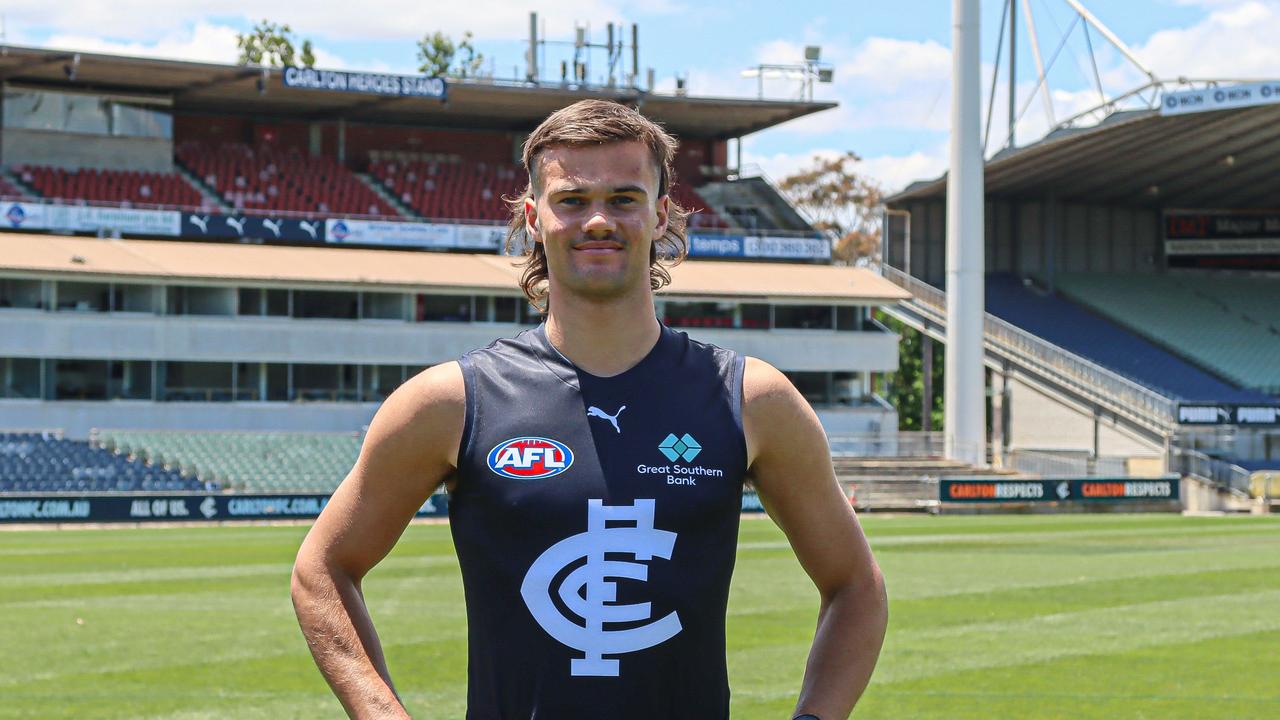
[{"x": 604, "y": 338}]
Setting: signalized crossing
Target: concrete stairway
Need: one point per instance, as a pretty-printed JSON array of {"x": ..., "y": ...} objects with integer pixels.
[
  {"x": 381, "y": 191},
  {"x": 901, "y": 484}
]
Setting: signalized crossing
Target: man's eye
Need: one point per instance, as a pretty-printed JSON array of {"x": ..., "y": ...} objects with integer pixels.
[
  {"x": 571, "y": 201},
  {"x": 623, "y": 200}
]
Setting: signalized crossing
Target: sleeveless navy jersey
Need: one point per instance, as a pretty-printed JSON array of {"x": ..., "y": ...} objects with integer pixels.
[{"x": 596, "y": 521}]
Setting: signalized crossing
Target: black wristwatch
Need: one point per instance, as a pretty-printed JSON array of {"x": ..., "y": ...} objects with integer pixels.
[{"x": 806, "y": 716}]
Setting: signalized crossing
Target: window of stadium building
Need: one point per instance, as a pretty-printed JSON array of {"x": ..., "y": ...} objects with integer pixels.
[
  {"x": 76, "y": 379},
  {"x": 497, "y": 309},
  {"x": 129, "y": 380},
  {"x": 84, "y": 296},
  {"x": 699, "y": 314},
  {"x": 377, "y": 381},
  {"x": 195, "y": 381},
  {"x": 330, "y": 304},
  {"x": 20, "y": 378},
  {"x": 384, "y": 306},
  {"x": 199, "y": 300},
  {"x": 443, "y": 308},
  {"x": 270, "y": 302},
  {"x": 17, "y": 293},
  {"x": 808, "y": 317},
  {"x": 851, "y": 317},
  {"x": 261, "y": 381},
  {"x": 324, "y": 382},
  {"x": 85, "y": 114},
  {"x": 829, "y": 389}
]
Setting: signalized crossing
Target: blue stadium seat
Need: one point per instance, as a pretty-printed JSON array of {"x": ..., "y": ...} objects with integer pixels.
[{"x": 1078, "y": 330}]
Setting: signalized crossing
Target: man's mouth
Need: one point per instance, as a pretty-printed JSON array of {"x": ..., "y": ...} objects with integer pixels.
[{"x": 599, "y": 247}]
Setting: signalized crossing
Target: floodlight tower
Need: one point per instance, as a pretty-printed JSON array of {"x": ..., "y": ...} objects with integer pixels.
[{"x": 964, "y": 423}]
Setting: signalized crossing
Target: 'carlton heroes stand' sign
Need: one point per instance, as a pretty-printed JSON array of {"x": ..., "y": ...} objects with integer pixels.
[{"x": 1088, "y": 489}]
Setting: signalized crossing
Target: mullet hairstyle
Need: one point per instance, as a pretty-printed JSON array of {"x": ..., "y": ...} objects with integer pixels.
[{"x": 587, "y": 123}]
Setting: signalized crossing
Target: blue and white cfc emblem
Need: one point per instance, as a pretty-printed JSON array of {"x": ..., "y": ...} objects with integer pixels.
[{"x": 640, "y": 540}]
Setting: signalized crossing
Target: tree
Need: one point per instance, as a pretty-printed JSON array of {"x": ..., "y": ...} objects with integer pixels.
[
  {"x": 437, "y": 53},
  {"x": 272, "y": 45},
  {"x": 843, "y": 203},
  {"x": 905, "y": 390}
]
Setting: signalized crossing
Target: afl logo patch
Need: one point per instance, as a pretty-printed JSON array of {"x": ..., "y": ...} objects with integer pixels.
[{"x": 530, "y": 458}]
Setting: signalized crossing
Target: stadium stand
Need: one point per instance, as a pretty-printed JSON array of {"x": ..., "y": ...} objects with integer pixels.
[
  {"x": 1229, "y": 325},
  {"x": 9, "y": 190},
  {"x": 448, "y": 187},
  {"x": 117, "y": 187},
  {"x": 44, "y": 462},
  {"x": 265, "y": 179},
  {"x": 1074, "y": 328},
  {"x": 246, "y": 462}
]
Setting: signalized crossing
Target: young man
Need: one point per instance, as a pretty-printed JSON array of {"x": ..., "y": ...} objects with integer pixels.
[{"x": 595, "y": 468}]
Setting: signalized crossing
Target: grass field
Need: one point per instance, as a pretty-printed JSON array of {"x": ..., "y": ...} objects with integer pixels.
[{"x": 1102, "y": 616}]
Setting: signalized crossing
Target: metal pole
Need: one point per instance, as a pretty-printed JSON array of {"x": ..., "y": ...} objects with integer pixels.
[
  {"x": 1013, "y": 72},
  {"x": 1035, "y": 50},
  {"x": 533, "y": 47},
  {"x": 965, "y": 378}
]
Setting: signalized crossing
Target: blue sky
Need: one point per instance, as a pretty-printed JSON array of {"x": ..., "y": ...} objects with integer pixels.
[{"x": 892, "y": 60}]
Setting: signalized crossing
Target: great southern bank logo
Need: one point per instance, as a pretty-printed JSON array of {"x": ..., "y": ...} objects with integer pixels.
[
  {"x": 683, "y": 448},
  {"x": 588, "y": 593},
  {"x": 16, "y": 215},
  {"x": 530, "y": 458}
]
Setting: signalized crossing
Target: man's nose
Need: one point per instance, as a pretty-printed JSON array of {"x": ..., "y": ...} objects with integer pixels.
[{"x": 599, "y": 222}]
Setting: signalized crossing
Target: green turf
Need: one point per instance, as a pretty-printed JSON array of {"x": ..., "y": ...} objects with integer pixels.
[{"x": 1099, "y": 616}]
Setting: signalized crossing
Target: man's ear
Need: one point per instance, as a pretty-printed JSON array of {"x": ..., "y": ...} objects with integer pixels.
[
  {"x": 663, "y": 206},
  {"x": 531, "y": 226}
]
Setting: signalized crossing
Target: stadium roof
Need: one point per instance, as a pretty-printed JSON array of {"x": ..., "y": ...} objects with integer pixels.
[
  {"x": 196, "y": 262},
  {"x": 1222, "y": 158},
  {"x": 216, "y": 88}
]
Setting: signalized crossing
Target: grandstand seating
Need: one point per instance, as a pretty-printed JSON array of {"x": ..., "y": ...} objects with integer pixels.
[
  {"x": 9, "y": 190},
  {"x": 124, "y": 187},
  {"x": 42, "y": 462},
  {"x": 704, "y": 217},
  {"x": 1230, "y": 325},
  {"x": 451, "y": 188},
  {"x": 246, "y": 461},
  {"x": 1074, "y": 328},
  {"x": 265, "y": 179}
]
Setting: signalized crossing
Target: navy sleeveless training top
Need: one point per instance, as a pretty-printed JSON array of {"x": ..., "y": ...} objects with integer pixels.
[{"x": 596, "y": 521}]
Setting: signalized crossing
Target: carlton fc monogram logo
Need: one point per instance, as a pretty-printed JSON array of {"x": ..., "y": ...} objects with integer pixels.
[{"x": 587, "y": 592}]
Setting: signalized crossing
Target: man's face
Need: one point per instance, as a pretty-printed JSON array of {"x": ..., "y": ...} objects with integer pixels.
[{"x": 596, "y": 212}]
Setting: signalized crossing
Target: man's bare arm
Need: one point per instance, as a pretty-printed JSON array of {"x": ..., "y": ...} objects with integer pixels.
[
  {"x": 411, "y": 447},
  {"x": 790, "y": 464}
]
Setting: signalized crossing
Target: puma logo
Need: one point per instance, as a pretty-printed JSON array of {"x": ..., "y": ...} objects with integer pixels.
[
  {"x": 200, "y": 222},
  {"x": 594, "y": 411},
  {"x": 237, "y": 223},
  {"x": 309, "y": 228},
  {"x": 272, "y": 225}
]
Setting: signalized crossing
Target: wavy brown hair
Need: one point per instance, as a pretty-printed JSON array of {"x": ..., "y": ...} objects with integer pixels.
[{"x": 596, "y": 122}]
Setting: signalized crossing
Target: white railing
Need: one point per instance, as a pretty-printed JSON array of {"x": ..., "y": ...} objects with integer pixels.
[
  {"x": 1120, "y": 394},
  {"x": 893, "y": 445},
  {"x": 1224, "y": 474}
]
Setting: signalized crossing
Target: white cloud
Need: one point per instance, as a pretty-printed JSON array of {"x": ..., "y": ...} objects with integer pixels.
[
  {"x": 203, "y": 42},
  {"x": 1236, "y": 40},
  {"x": 892, "y": 172},
  {"x": 144, "y": 20}
]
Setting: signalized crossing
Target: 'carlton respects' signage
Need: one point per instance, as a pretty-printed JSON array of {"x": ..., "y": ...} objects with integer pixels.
[{"x": 1057, "y": 490}]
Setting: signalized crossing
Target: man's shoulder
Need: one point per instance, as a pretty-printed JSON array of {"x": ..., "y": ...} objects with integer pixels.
[
  {"x": 764, "y": 385},
  {"x": 435, "y": 394}
]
